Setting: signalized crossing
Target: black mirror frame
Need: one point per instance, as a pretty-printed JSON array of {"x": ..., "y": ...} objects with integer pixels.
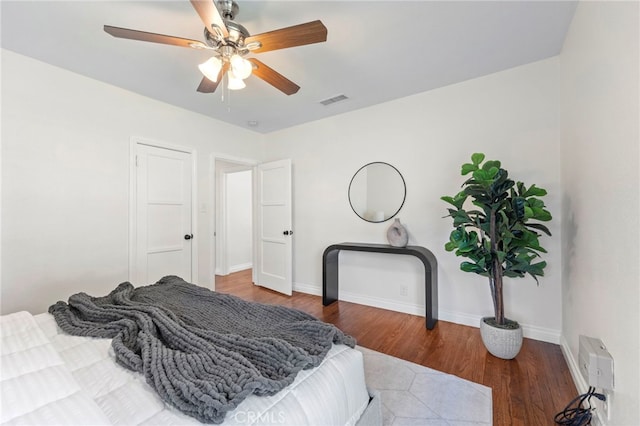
[{"x": 404, "y": 184}]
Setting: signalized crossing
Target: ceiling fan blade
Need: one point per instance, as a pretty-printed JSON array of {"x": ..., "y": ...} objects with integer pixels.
[
  {"x": 210, "y": 16},
  {"x": 273, "y": 77},
  {"x": 297, "y": 35},
  {"x": 208, "y": 86},
  {"x": 153, "y": 37}
]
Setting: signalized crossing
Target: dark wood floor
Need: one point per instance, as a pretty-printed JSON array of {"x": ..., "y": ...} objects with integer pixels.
[{"x": 528, "y": 390}]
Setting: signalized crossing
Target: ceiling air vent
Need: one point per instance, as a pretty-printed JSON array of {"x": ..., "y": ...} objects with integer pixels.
[{"x": 333, "y": 100}]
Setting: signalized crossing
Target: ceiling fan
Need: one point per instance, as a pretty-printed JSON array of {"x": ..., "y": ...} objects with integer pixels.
[{"x": 231, "y": 42}]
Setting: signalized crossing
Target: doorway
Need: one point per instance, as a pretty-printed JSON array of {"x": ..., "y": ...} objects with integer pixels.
[
  {"x": 234, "y": 227},
  {"x": 269, "y": 220},
  {"x": 233, "y": 219}
]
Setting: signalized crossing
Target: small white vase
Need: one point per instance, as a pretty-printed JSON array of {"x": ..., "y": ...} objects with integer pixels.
[{"x": 397, "y": 234}]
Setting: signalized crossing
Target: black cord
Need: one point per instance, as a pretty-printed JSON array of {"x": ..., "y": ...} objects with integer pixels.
[{"x": 580, "y": 414}]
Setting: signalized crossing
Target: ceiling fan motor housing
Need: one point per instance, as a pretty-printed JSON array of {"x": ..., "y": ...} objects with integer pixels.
[
  {"x": 234, "y": 42},
  {"x": 228, "y": 8}
]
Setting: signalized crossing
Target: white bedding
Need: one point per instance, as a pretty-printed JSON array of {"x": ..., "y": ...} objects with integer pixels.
[{"x": 49, "y": 377}]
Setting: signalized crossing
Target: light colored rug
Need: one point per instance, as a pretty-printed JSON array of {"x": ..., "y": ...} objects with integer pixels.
[{"x": 415, "y": 395}]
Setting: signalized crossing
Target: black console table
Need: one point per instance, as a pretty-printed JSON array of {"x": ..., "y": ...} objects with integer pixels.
[{"x": 330, "y": 272}]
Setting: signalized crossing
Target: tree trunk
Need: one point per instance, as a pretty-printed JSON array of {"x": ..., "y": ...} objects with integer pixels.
[
  {"x": 498, "y": 301},
  {"x": 496, "y": 272}
]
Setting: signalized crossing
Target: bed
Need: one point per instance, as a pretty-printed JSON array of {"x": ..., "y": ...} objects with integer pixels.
[{"x": 48, "y": 376}]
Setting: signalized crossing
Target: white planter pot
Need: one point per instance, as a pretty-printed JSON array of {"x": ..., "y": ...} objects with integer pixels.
[{"x": 501, "y": 342}]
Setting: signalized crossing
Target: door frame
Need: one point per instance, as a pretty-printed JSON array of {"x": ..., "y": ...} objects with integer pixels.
[
  {"x": 134, "y": 141},
  {"x": 214, "y": 235}
]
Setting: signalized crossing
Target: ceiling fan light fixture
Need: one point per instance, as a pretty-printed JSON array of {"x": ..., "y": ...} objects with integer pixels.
[
  {"x": 234, "y": 83},
  {"x": 211, "y": 68},
  {"x": 241, "y": 67}
]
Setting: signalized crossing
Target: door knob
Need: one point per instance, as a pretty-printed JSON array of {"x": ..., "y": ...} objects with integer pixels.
[
  {"x": 287, "y": 233},
  {"x": 188, "y": 236}
]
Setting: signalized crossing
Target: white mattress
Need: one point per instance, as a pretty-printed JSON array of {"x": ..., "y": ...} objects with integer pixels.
[{"x": 49, "y": 377}]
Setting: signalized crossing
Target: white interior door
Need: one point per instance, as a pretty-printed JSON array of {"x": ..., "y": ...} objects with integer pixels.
[
  {"x": 275, "y": 245},
  {"x": 164, "y": 235}
]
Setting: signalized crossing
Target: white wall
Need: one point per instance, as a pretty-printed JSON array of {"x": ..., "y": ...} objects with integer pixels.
[
  {"x": 239, "y": 220},
  {"x": 512, "y": 116},
  {"x": 65, "y": 179},
  {"x": 601, "y": 203}
]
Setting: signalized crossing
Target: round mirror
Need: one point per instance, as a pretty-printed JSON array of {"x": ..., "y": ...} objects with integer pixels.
[{"x": 377, "y": 192}]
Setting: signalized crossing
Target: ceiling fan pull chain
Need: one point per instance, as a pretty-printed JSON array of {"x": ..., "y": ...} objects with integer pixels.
[
  {"x": 228, "y": 95},
  {"x": 222, "y": 80}
]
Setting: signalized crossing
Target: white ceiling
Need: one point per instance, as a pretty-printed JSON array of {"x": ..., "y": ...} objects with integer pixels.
[{"x": 376, "y": 51}]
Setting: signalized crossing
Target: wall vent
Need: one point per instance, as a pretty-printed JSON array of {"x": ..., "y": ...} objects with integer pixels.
[{"x": 334, "y": 100}]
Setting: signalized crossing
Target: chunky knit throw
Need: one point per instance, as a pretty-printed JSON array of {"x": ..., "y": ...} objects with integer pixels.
[{"x": 203, "y": 352}]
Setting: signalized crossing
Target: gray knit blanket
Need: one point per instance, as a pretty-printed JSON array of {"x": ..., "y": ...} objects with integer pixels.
[{"x": 203, "y": 352}]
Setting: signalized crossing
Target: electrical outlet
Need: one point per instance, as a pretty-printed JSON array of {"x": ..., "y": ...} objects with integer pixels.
[
  {"x": 595, "y": 362},
  {"x": 404, "y": 290}
]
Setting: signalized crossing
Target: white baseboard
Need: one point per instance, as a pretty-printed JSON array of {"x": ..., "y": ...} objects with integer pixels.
[
  {"x": 529, "y": 331},
  {"x": 543, "y": 334},
  {"x": 307, "y": 288},
  {"x": 240, "y": 267},
  {"x": 459, "y": 318},
  {"x": 377, "y": 302}
]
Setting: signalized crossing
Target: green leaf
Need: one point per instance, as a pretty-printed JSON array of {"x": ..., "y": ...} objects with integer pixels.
[
  {"x": 528, "y": 212},
  {"x": 537, "y": 268},
  {"x": 462, "y": 220},
  {"x": 534, "y": 192},
  {"x": 468, "y": 168},
  {"x": 490, "y": 164},
  {"x": 513, "y": 274},
  {"x": 539, "y": 227},
  {"x": 535, "y": 202},
  {"x": 519, "y": 207},
  {"x": 493, "y": 171},
  {"x": 477, "y": 158},
  {"x": 501, "y": 184},
  {"x": 541, "y": 214},
  {"x": 471, "y": 267},
  {"x": 457, "y": 235},
  {"x": 457, "y": 201},
  {"x": 480, "y": 175}
]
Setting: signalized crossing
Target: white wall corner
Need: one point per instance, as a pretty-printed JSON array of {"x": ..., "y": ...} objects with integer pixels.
[{"x": 572, "y": 363}]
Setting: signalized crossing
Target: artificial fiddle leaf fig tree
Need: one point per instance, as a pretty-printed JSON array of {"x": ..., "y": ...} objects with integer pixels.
[{"x": 498, "y": 232}]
